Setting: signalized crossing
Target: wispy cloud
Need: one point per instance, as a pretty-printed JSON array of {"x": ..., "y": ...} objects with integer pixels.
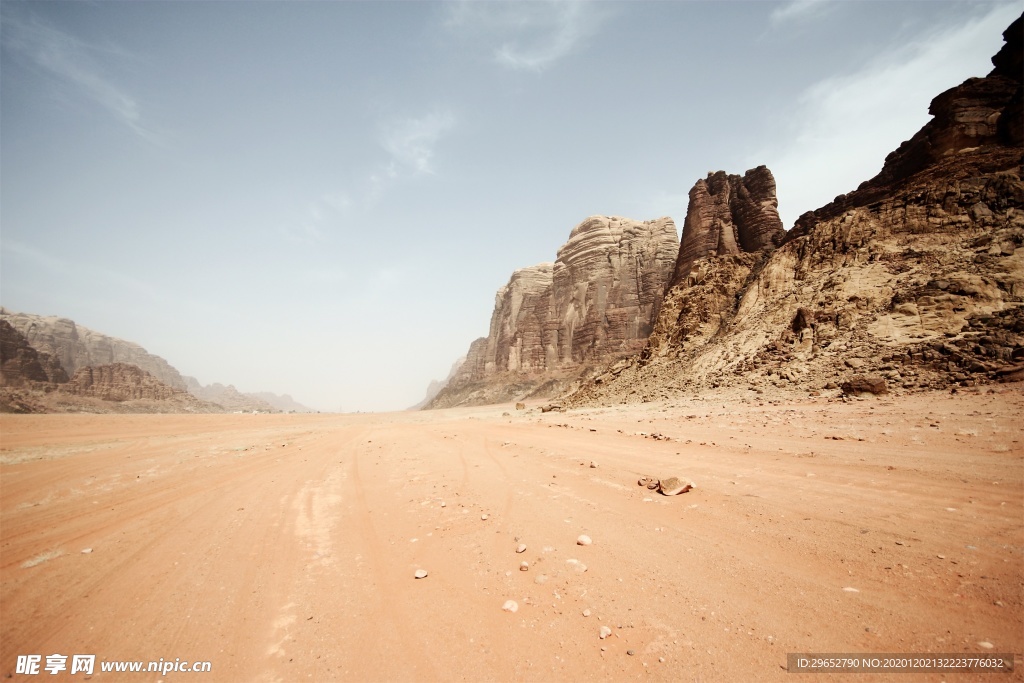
[
  {"x": 409, "y": 142},
  {"x": 800, "y": 10},
  {"x": 530, "y": 36},
  {"x": 75, "y": 65},
  {"x": 842, "y": 128}
]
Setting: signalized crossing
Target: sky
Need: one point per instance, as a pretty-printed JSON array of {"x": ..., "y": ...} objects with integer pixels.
[{"x": 321, "y": 198}]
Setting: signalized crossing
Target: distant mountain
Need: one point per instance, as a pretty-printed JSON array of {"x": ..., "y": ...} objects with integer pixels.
[
  {"x": 33, "y": 381},
  {"x": 436, "y": 385},
  {"x": 43, "y": 355},
  {"x": 282, "y": 402},
  {"x": 77, "y": 347}
]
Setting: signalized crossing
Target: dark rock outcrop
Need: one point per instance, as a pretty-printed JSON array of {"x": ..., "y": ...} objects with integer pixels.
[
  {"x": 978, "y": 125},
  {"x": 21, "y": 364},
  {"x": 728, "y": 215}
]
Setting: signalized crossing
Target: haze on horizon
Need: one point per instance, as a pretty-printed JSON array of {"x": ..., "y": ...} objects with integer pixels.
[{"x": 320, "y": 199}]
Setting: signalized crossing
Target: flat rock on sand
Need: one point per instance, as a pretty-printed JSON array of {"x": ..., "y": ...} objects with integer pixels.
[{"x": 674, "y": 486}]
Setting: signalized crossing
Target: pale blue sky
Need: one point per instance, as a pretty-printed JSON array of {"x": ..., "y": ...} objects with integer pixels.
[{"x": 321, "y": 198}]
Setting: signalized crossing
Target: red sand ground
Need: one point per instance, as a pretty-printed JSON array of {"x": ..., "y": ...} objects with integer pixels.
[{"x": 283, "y": 548}]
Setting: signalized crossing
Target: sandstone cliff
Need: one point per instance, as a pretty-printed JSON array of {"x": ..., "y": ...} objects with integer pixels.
[
  {"x": 77, "y": 347},
  {"x": 916, "y": 278},
  {"x": 552, "y": 321},
  {"x": 120, "y": 382},
  {"x": 20, "y": 364},
  {"x": 728, "y": 215}
]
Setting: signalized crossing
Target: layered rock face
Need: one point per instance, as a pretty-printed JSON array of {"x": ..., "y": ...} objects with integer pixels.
[
  {"x": 981, "y": 119},
  {"x": 916, "y": 278},
  {"x": 597, "y": 302},
  {"x": 77, "y": 347},
  {"x": 729, "y": 215},
  {"x": 20, "y": 364},
  {"x": 120, "y": 382}
]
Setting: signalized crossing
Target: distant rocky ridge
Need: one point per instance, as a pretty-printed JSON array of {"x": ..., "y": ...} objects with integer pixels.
[
  {"x": 230, "y": 398},
  {"x": 914, "y": 280},
  {"x": 553, "y": 321},
  {"x": 48, "y": 363},
  {"x": 282, "y": 402},
  {"x": 436, "y": 385},
  {"x": 77, "y": 347}
]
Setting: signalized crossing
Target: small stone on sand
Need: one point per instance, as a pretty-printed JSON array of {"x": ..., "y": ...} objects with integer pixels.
[
  {"x": 421, "y": 573},
  {"x": 605, "y": 632},
  {"x": 86, "y": 551},
  {"x": 985, "y": 644},
  {"x": 524, "y": 566},
  {"x": 586, "y": 612},
  {"x": 484, "y": 517},
  {"x": 583, "y": 540},
  {"x": 510, "y": 606},
  {"x": 630, "y": 652},
  {"x": 850, "y": 589},
  {"x": 521, "y": 548}
]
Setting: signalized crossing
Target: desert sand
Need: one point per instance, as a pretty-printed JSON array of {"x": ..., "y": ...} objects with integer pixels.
[{"x": 284, "y": 547}]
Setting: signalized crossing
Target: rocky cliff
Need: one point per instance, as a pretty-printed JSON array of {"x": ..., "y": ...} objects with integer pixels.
[
  {"x": 595, "y": 303},
  {"x": 728, "y": 215},
  {"x": 914, "y": 280},
  {"x": 77, "y": 347},
  {"x": 121, "y": 382},
  {"x": 21, "y": 365}
]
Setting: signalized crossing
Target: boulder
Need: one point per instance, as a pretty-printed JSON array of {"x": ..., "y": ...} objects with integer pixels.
[{"x": 864, "y": 384}]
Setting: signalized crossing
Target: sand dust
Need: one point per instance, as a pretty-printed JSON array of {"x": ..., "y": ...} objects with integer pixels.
[{"x": 285, "y": 547}]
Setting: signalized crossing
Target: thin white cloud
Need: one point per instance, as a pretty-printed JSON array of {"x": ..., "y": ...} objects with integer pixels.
[
  {"x": 411, "y": 141},
  {"x": 410, "y": 144},
  {"x": 73, "y": 63},
  {"x": 530, "y": 36},
  {"x": 842, "y": 128},
  {"x": 800, "y": 10}
]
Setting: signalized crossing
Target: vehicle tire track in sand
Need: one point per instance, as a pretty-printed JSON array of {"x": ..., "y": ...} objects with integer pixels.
[{"x": 389, "y": 644}]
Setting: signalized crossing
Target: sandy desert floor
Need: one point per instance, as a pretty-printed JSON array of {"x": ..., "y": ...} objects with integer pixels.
[{"x": 284, "y": 547}]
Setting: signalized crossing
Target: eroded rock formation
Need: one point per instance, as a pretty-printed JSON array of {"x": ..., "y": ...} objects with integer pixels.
[
  {"x": 915, "y": 279},
  {"x": 595, "y": 303},
  {"x": 728, "y": 215},
  {"x": 20, "y": 364},
  {"x": 77, "y": 347},
  {"x": 120, "y": 382}
]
